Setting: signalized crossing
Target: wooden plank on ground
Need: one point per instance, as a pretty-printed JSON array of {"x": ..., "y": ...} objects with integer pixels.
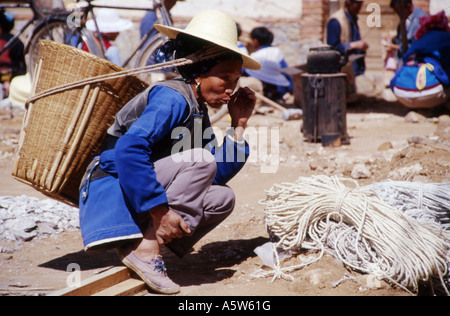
[
  {"x": 130, "y": 287},
  {"x": 97, "y": 283}
]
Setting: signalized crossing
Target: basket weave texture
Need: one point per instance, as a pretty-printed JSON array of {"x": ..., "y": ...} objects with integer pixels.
[{"x": 64, "y": 131}]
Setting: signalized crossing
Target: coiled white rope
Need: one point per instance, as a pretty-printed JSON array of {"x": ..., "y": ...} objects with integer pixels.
[
  {"x": 366, "y": 233},
  {"x": 428, "y": 202}
]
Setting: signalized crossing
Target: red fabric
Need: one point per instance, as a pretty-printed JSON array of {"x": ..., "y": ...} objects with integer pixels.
[
  {"x": 433, "y": 22},
  {"x": 5, "y": 58},
  {"x": 105, "y": 42}
]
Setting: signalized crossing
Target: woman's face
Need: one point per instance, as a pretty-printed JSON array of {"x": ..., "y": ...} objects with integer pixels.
[{"x": 219, "y": 84}]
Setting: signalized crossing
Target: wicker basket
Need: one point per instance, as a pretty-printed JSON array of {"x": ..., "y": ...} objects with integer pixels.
[{"x": 64, "y": 131}]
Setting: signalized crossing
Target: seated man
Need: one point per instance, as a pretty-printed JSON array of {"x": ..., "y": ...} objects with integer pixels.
[
  {"x": 343, "y": 34},
  {"x": 276, "y": 84}
]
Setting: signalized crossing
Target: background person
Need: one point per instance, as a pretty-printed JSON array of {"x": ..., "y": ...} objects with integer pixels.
[
  {"x": 343, "y": 34},
  {"x": 412, "y": 18},
  {"x": 110, "y": 24},
  {"x": 150, "y": 19},
  {"x": 276, "y": 84},
  {"x": 12, "y": 61}
]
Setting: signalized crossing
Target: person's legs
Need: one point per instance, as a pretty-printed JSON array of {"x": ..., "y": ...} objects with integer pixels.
[
  {"x": 218, "y": 204},
  {"x": 191, "y": 194},
  {"x": 187, "y": 179}
]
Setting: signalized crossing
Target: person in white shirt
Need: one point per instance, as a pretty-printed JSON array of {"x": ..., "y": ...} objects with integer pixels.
[
  {"x": 110, "y": 25},
  {"x": 276, "y": 84}
]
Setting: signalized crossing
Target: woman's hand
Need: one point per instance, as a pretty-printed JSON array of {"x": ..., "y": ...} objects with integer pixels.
[
  {"x": 241, "y": 108},
  {"x": 168, "y": 225}
]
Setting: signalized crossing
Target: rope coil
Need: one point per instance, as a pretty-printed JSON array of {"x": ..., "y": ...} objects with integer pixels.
[{"x": 364, "y": 232}]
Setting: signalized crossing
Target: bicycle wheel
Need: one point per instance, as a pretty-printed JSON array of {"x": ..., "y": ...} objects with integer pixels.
[
  {"x": 53, "y": 29},
  {"x": 148, "y": 57}
]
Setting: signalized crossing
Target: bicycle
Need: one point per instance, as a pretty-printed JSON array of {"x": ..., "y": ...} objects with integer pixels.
[
  {"x": 48, "y": 24},
  {"x": 149, "y": 44}
]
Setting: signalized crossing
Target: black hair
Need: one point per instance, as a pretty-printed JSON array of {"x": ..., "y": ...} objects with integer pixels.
[
  {"x": 264, "y": 36},
  {"x": 185, "y": 45},
  {"x": 396, "y": 2},
  {"x": 239, "y": 29}
]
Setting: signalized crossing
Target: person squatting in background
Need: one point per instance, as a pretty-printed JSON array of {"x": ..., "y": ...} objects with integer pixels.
[{"x": 276, "y": 84}]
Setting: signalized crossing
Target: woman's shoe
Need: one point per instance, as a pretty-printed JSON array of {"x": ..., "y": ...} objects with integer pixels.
[{"x": 153, "y": 273}]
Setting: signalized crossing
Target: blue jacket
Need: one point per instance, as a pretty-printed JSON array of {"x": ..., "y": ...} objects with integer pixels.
[
  {"x": 412, "y": 25},
  {"x": 433, "y": 48},
  {"x": 334, "y": 39},
  {"x": 114, "y": 202}
]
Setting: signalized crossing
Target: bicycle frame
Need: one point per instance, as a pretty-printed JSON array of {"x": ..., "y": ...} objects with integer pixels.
[
  {"x": 157, "y": 5},
  {"x": 38, "y": 16}
]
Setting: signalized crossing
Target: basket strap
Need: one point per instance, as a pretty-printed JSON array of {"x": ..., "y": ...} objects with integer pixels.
[
  {"x": 205, "y": 54},
  {"x": 102, "y": 78}
]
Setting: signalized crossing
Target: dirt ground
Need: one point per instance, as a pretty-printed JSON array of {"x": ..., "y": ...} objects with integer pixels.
[{"x": 382, "y": 139}]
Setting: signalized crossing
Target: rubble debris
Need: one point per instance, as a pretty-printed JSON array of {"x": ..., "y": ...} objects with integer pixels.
[{"x": 25, "y": 218}]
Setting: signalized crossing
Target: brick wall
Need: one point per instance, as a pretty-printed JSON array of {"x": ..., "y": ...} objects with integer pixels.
[
  {"x": 314, "y": 16},
  {"x": 316, "y": 12},
  {"x": 423, "y": 4}
]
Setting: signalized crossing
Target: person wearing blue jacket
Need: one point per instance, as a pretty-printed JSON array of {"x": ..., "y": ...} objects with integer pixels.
[
  {"x": 342, "y": 32},
  {"x": 413, "y": 14},
  {"x": 161, "y": 176}
]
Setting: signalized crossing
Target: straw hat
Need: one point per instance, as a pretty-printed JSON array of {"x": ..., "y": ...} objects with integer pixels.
[
  {"x": 215, "y": 27},
  {"x": 270, "y": 59},
  {"x": 109, "y": 21},
  {"x": 20, "y": 90}
]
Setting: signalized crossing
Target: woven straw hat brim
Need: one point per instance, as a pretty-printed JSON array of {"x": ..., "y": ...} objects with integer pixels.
[{"x": 215, "y": 27}]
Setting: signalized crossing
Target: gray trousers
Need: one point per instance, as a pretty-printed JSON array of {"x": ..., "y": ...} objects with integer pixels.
[{"x": 187, "y": 179}]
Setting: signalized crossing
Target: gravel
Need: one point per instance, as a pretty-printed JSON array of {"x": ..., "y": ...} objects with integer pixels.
[{"x": 25, "y": 218}]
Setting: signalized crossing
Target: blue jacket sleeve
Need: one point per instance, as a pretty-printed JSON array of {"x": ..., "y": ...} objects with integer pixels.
[
  {"x": 230, "y": 157},
  {"x": 334, "y": 37},
  {"x": 166, "y": 110}
]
